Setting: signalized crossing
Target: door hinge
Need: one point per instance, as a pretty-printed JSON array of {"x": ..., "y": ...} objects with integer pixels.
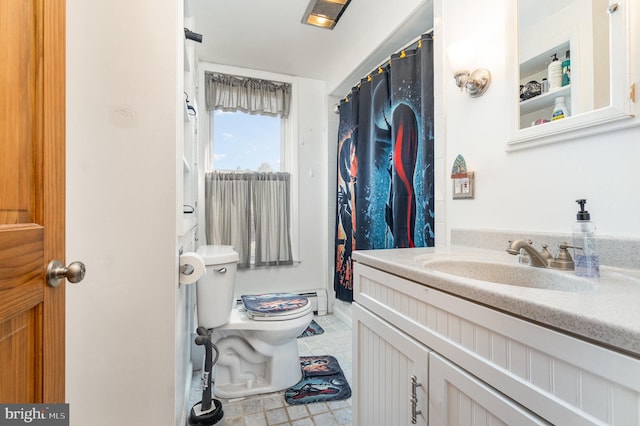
[{"x": 632, "y": 92}]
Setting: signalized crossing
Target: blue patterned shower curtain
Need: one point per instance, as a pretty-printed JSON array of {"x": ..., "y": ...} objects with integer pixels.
[{"x": 385, "y": 162}]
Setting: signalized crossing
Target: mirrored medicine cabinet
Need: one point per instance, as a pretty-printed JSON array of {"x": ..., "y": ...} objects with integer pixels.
[{"x": 590, "y": 41}]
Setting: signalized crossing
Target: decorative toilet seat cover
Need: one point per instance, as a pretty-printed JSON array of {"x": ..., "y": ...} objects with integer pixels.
[{"x": 275, "y": 305}]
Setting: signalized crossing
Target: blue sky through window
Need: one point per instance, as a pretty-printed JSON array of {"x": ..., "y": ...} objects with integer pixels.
[{"x": 246, "y": 142}]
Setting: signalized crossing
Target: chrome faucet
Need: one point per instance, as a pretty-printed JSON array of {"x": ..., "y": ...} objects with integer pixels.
[{"x": 536, "y": 258}]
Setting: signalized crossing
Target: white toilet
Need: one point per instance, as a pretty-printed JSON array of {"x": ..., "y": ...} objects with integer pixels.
[{"x": 258, "y": 350}]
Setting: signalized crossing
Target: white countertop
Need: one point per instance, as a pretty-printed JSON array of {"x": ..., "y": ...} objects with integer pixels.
[{"x": 608, "y": 313}]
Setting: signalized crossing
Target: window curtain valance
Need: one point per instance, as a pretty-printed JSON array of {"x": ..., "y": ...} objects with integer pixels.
[{"x": 250, "y": 95}]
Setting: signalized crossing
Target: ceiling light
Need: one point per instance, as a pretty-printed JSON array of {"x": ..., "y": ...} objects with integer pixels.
[{"x": 324, "y": 13}]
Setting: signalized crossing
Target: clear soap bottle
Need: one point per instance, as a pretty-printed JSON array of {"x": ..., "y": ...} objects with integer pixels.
[{"x": 587, "y": 262}]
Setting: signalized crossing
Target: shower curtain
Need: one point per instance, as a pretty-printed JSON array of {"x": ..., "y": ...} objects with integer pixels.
[{"x": 385, "y": 162}]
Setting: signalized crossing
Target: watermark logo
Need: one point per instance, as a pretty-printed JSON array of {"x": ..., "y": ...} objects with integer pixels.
[{"x": 34, "y": 414}]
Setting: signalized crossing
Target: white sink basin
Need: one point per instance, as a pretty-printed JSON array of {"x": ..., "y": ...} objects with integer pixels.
[{"x": 513, "y": 275}]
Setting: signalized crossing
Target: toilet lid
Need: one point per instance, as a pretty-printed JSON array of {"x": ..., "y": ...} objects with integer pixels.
[{"x": 275, "y": 306}]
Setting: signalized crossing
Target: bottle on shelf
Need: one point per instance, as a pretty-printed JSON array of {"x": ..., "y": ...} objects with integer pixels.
[
  {"x": 566, "y": 69},
  {"x": 544, "y": 86},
  {"x": 560, "y": 110},
  {"x": 554, "y": 73}
]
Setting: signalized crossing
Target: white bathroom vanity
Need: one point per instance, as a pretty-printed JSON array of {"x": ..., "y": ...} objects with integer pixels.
[{"x": 436, "y": 348}]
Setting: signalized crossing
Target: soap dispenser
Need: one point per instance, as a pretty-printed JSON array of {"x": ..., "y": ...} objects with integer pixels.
[{"x": 587, "y": 262}]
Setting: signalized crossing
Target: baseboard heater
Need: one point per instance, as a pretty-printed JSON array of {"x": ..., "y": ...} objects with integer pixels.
[{"x": 318, "y": 299}]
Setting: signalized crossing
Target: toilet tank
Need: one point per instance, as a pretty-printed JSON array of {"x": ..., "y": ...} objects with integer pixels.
[{"x": 214, "y": 291}]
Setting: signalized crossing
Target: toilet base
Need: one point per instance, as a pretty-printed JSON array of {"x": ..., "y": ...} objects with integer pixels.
[
  {"x": 230, "y": 390},
  {"x": 236, "y": 376}
]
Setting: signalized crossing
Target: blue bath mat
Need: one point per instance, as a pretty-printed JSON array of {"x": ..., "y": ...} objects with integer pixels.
[
  {"x": 312, "y": 329},
  {"x": 322, "y": 381}
]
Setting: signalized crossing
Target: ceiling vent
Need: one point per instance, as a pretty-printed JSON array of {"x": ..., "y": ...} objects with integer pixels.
[{"x": 324, "y": 13}]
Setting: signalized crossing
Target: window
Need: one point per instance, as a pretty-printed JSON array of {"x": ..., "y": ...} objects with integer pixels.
[
  {"x": 241, "y": 148},
  {"x": 246, "y": 142}
]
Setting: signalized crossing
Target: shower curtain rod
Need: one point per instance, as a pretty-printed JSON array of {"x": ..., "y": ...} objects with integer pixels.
[
  {"x": 407, "y": 47},
  {"x": 387, "y": 61}
]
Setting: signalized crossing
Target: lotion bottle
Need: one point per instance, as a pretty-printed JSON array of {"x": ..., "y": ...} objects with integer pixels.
[
  {"x": 587, "y": 262},
  {"x": 554, "y": 73}
]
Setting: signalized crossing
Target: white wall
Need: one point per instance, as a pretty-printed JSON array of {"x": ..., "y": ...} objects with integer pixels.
[
  {"x": 533, "y": 190},
  {"x": 372, "y": 33},
  {"x": 123, "y": 120}
]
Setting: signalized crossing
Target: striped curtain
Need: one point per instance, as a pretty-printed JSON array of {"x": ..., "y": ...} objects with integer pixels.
[
  {"x": 250, "y": 211},
  {"x": 271, "y": 219}
]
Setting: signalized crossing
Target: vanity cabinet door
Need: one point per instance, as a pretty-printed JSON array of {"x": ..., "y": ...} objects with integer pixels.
[
  {"x": 384, "y": 362},
  {"x": 458, "y": 398}
]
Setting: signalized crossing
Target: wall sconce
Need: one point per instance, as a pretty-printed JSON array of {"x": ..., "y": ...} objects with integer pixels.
[{"x": 475, "y": 83}]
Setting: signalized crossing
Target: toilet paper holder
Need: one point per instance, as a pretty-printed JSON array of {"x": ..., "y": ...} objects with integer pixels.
[
  {"x": 186, "y": 269},
  {"x": 191, "y": 267}
]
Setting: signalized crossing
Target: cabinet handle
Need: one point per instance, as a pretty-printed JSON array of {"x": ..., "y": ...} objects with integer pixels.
[
  {"x": 414, "y": 400},
  {"x": 613, "y": 8}
]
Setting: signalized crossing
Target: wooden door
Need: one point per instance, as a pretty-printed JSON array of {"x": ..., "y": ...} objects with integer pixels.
[{"x": 32, "y": 140}]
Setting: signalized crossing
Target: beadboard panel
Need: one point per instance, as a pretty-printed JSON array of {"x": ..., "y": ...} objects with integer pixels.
[
  {"x": 563, "y": 379},
  {"x": 458, "y": 398},
  {"x": 386, "y": 359}
]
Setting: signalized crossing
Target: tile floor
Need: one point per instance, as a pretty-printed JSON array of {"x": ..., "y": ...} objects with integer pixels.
[{"x": 271, "y": 409}]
